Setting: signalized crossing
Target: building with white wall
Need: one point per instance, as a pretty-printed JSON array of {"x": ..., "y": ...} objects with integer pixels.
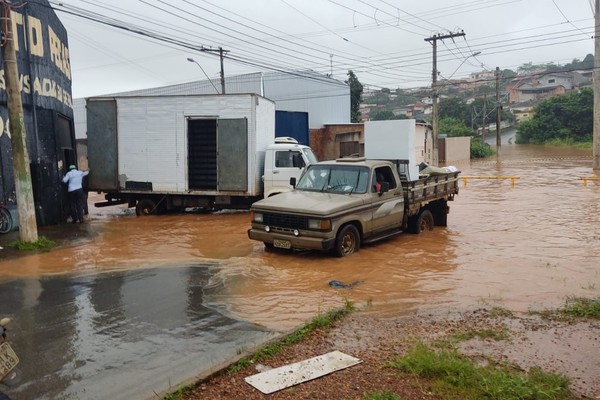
[{"x": 326, "y": 100}]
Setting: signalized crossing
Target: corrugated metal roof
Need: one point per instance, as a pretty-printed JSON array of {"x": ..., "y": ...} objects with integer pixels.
[{"x": 327, "y": 100}]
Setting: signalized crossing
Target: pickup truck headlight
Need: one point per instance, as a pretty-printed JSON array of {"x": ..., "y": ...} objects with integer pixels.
[
  {"x": 257, "y": 217},
  {"x": 319, "y": 224}
]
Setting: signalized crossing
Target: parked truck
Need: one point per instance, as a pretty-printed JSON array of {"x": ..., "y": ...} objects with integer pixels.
[
  {"x": 338, "y": 205},
  {"x": 160, "y": 153}
]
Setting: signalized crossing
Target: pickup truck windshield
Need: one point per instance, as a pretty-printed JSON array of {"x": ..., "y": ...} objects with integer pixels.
[
  {"x": 310, "y": 156},
  {"x": 335, "y": 179}
]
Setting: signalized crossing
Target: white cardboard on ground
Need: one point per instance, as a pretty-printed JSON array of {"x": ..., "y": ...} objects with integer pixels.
[{"x": 289, "y": 375}]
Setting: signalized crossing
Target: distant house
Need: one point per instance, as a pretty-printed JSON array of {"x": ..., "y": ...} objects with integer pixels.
[
  {"x": 522, "y": 111},
  {"x": 405, "y": 110},
  {"x": 482, "y": 76},
  {"x": 535, "y": 88}
]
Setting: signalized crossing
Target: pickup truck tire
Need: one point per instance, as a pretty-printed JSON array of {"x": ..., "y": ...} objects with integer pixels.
[
  {"x": 424, "y": 222},
  {"x": 347, "y": 241}
]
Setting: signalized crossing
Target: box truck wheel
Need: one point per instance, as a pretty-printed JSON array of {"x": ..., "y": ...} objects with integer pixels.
[
  {"x": 6, "y": 221},
  {"x": 145, "y": 207},
  {"x": 347, "y": 241}
]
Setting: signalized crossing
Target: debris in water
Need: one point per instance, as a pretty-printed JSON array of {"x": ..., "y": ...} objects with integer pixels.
[{"x": 342, "y": 285}]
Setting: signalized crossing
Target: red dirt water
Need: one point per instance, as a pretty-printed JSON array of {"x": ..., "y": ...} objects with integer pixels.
[{"x": 521, "y": 247}]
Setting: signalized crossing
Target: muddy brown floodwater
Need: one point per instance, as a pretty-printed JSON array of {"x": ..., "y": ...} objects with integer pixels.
[
  {"x": 195, "y": 281},
  {"x": 523, "y": 247}
]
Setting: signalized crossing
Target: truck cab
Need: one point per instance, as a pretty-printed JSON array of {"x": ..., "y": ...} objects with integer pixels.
[{"x": 285, "y": 159}]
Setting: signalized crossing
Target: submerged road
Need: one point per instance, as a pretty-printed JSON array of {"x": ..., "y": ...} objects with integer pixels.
[
  {"x": 118, "y": 335},
  {"x": 131, "y": 306}
]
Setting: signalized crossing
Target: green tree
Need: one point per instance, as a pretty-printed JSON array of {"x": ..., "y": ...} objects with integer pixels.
[
  {"x": 567, "y": 117},
  {"x": 588, "y": 62},
  {"x": 454, "y": 127},
  {"x": 382, "y": 115},
  {"x": 455, "y": 107},
  {"x": 356, "y": 89}
]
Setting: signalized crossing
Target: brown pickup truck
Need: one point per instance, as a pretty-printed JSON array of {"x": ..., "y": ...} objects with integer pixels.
[{"x": 337, "y": 205}]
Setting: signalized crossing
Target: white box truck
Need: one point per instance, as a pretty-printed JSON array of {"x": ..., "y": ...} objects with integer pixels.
[{"x": 159, "y": 153}]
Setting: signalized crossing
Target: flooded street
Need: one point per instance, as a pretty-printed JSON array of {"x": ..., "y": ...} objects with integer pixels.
[{"x": 138, "y": 300}]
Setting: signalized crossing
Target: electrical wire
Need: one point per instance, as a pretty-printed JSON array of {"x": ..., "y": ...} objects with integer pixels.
[{"x": 355, "y": 64}]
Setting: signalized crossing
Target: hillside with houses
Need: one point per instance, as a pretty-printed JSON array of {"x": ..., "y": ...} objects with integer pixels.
[{"x": 519, "y": 93}]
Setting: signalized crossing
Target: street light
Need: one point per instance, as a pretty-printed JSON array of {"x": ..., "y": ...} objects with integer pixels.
[
  {"x": 466, "y": 58},
  {"x": 195, "y": 62}
]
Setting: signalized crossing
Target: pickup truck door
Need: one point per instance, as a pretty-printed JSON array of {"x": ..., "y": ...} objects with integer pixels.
[{"x": 387, "y": 208}]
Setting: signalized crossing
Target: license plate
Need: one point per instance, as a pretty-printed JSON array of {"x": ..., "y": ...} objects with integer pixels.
[
  {"x": 282, "y": 244},
  {"x": 8, "y": 359}
]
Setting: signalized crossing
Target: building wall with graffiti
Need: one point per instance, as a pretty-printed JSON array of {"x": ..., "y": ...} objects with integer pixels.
[{"x": 45, "y": 85}]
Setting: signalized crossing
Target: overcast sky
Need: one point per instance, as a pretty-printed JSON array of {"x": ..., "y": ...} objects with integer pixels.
[{"x": 382, "y": 41}]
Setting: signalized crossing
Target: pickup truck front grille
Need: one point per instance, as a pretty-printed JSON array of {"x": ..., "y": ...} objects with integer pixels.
[{"x": 285, "y": 221}]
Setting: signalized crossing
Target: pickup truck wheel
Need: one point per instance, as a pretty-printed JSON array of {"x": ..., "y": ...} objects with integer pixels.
[
  {"x": 145, "y": 207},
  {"x": 424, "y": 222},
  {"x": 347, "y": 241}
]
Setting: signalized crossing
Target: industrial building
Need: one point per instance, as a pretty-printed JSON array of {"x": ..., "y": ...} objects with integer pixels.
[
  {"x": 322, "y": 99},
  {"x": 45, "y": 79}
]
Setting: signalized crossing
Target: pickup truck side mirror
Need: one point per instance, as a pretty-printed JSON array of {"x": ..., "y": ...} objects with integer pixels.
[
  {"x": 385, "y": 187},
  {"x": 293, "y": 182}
]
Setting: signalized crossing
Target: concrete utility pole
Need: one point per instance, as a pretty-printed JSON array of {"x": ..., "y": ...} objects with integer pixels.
[
  {"x": 221, "y": 56},
  {"x": 23, "y": 187},
  {"x": 434, "y": 109},
  {"x": 596, "y": 140},
  {"x": 498, "y": 109},
  {"x": 483, "y": 115}
]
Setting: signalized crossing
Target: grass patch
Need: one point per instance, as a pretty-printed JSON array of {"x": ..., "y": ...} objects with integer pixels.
[
  {"x": 574, "y": 308},
  {"x": 387, "y": 395},
  {"x": 498, "y": 333},
  {"x": 181, "y": 393},
  {"x": 568, "y": 143},
  {"x": 454, "y": 376},
  {"x": 321, "y": 321},
  {"x": 41, "y": 244},
  {"x": 500, "y": 312},
  {"x": 582, "y": 307}
]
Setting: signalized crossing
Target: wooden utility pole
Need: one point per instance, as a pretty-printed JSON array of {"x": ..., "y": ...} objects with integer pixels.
[
  {"x": 596, "y": 139},
  {"x": 498, "y": 109},
  {"x": 434, "y": 105},
  {"x": 221, "y": 56},
  {"x": 23, "y": 187}
]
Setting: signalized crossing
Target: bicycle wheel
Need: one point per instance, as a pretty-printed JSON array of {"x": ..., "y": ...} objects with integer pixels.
[{"x": 6, "y": 222}]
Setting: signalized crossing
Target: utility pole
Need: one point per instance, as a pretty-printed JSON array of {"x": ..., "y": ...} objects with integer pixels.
[
  {"x": 23, "y": 187},
  {"x": 434, "y": 109},
  {"x": 596, "y": 139},
  {"x": 498, "y": 109},
  {"x": 221, "y": 56},
  {"x": 483, "y": 115}
]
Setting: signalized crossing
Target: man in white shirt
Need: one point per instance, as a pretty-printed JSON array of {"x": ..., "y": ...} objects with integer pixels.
[{"x": 73, "y": 179}]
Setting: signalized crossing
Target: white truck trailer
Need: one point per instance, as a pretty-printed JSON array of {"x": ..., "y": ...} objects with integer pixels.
[{"x": 159, "y": 153}]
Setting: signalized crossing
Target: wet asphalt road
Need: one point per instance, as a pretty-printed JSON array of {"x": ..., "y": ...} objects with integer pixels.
[{"x": 117, "y": 335}]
